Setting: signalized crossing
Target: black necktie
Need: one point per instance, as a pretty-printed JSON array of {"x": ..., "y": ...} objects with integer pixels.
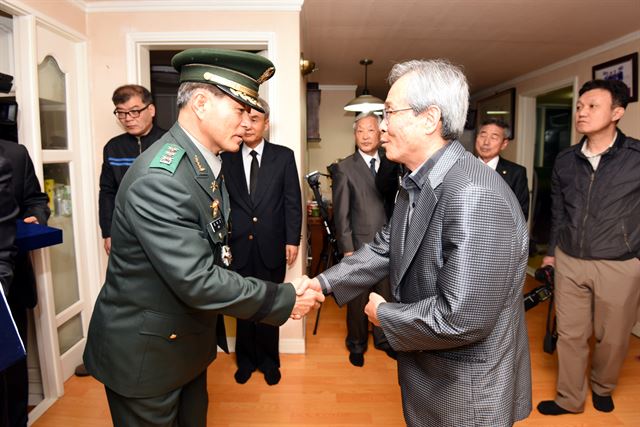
[
  {"x": 253, "y": 173},
  {"x": 372, "y": 166}
]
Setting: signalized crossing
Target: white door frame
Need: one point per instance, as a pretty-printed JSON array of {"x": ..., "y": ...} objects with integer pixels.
[{"x": 138, "y": 46}]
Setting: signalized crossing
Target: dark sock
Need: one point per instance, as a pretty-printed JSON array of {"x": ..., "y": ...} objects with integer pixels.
[
  {"x": 356, "y": 359},
  {"x": 272, "y": 376},
  {"x": 602, "y": 403},
  {"x": 550, "y": 407},
  {"x": 242, "y": 375}
]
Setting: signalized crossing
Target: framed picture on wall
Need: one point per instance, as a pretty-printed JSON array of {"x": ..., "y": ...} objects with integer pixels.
[
  {"x": 624, "y": 68},
  {"x": 500, "y": 106}
]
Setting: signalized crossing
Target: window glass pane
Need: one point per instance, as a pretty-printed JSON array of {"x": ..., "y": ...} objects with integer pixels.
[
  {"x": 63, "y": 260},
  {"x": 69, "y": 333},
  {"x": 53, "y": 105}
]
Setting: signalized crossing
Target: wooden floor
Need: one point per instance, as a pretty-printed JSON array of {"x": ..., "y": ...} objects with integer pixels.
[{"x": 321, "y": 388}]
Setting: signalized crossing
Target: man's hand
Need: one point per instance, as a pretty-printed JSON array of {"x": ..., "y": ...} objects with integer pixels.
[
  {"x": 291, "y": 253},
  {"x": 347, "y": 253},
  {"x": 308, "y": 296},
  {"x": 31, "y": 220},
  {"x": 309, "y": 300},
  {"x": 548, "y": 260},
  {"x": 107, "y": 245},
  {"x": 305, "y": 283},
  {"x": 371, "y": 309}
]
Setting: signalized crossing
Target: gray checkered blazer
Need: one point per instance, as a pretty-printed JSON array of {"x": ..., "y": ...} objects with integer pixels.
[{"x": 456, "y": 273}]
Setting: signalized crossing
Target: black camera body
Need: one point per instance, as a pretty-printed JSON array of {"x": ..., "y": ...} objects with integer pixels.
[
  {"x": 536, "y": 296},
  {"x": 542, "y": 292}
]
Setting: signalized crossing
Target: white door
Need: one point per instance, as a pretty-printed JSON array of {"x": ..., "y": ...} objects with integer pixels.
[{"x": 59, "y": 136}]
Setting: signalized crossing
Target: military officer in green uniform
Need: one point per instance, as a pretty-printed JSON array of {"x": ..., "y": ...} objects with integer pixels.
[{"x": 157, "y": 322}]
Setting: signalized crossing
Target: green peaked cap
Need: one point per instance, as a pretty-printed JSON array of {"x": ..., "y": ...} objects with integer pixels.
[{"x": 238, "y": 74}]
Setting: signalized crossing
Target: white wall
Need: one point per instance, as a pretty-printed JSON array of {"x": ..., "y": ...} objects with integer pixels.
[{"x": 336, "y": 133}]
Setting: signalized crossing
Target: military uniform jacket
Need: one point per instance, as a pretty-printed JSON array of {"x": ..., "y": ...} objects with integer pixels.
[
  {"x": 457, "y": 271},
  {"x": 153, "y": 327}
]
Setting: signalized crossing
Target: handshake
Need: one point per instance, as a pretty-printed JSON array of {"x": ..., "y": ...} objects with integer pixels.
[{"x": 309, "y": 296}]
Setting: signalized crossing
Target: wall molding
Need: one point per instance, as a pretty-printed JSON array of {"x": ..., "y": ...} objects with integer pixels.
[
  {"x": 91, "y": 6},
  {"x": 18, "y": 8}
]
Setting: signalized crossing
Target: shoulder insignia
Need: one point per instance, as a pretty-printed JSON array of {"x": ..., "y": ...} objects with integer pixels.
[{"x": 168, "y": 157}]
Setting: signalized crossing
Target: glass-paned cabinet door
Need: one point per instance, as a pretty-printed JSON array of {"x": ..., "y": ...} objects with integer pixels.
[
  {"x": 63, "y": 260},
  {"x": 58, "y": 186},
  {"x": 53, "y": 105}
]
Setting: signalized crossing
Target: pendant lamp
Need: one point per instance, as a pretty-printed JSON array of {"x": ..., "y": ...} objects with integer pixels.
[{"x": 365, "y": 102}]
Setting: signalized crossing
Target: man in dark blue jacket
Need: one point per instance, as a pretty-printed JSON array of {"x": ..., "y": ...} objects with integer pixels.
[{"x": 135, "y": 112}]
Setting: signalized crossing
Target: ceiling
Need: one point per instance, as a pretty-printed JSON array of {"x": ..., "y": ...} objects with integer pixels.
[{"x": 494, "y": 40}]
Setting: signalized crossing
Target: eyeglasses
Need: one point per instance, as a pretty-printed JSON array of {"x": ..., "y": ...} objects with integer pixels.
[
  {"x": 387, "y": 112},
  {"x": 134, "y": 114}
]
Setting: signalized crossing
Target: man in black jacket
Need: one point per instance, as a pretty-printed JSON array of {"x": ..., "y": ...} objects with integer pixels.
[
  {"x": 33, "y": 208},
  {"x": 8, "y": 214},
  {"x": 595, "y": 245},
  {"x": 135, "y": 112},
  {"x": 492, "y": 138}
]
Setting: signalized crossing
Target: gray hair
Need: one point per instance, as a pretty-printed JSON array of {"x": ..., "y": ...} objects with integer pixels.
[
  {"x": 265, "y": 106},
  {"x": 364, "y": 115},
  {"x": 436, "y": 82},
  {"x": 187, "y": 89},
  {"x": 506, "y": 129}
]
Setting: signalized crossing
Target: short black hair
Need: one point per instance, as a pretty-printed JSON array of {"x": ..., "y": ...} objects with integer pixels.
[
  {"x": 500, "y": 123},
  {"x": 617, "y": 88},
  {"x": 124, "y": 93}
]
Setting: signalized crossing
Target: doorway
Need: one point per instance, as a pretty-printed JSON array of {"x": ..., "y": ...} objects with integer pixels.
[{"x": 554, "y": 111}]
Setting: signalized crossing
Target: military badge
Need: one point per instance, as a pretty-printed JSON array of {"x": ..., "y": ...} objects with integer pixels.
[{"x": 225, "y": 255}]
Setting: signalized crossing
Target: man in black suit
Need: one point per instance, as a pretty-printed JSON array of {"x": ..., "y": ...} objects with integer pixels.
[
  {"x": 33, "y": 208},
  {"x": 266, "y": 218},
  {"x": 8, "y": 214},
  {"x": 493, "y": 137},
  {"x": 358, "y": 212}
]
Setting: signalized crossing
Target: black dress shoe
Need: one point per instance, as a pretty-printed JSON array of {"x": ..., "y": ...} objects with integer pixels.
[
  {"x": 602, "y": 403},
  {"x": 550, "y": 407},
  {"x": 356, "y": 359},
  {"x": 272, "y": 376},
  {"x": 242, "y": 375},
  {"x": 81, "y": 371}
]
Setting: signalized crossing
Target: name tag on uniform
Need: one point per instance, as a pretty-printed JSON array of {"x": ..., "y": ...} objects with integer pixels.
[{"x": 217, "y": 224}]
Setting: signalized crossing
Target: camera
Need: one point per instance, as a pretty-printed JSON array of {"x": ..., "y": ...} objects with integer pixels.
[
  {"x": 313, "y": 178},
  {"x": 542, "y": 292},
  {"x": 536, "y": 296}
]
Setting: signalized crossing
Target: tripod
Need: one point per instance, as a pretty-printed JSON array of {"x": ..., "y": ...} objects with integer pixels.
[{"x": 329, "y": 254}]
